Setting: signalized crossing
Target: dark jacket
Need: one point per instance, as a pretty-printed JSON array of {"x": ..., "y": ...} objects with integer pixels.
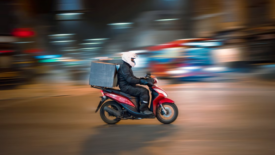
[{"x": 126, "y": 77}]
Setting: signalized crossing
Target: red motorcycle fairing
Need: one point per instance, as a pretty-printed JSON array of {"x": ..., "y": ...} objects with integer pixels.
[
  {"x": 119, "y": 99},
  {"x": 157, "y": 98},
  {"x": 166, "y": 100},
  {"x": 160, "y": 98}
]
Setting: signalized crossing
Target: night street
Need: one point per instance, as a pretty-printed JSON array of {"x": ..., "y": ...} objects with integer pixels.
[
  {"x": 214, "y": 119},
  {"x": 173, "y": 77}
]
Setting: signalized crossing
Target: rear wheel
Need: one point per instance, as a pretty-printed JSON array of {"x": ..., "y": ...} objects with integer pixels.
[
  {"x": 169, "y": 115},
  {"x": 106, "y": 116}
]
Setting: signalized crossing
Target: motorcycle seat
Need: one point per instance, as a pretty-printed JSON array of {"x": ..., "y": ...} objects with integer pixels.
[{"x": 119, "y": 92}]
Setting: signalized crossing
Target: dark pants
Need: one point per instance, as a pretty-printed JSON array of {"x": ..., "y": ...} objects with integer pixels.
[{"x": 138, "y": 91}]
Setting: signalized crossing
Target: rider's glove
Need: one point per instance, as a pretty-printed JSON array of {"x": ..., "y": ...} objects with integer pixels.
[{"x": 148, "y": 81}]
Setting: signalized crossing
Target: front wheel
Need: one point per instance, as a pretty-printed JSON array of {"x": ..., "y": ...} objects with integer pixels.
[{"x": 169, "y": 114}]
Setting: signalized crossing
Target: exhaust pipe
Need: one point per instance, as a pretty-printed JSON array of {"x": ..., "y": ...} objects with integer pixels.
[{"x": 112, "y": 111}]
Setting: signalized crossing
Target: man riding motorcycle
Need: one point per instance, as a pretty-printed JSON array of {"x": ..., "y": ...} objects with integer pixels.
[{"x": 127, "y": 82}]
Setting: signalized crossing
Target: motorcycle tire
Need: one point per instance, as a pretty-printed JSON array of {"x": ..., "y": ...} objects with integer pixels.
[
  {"x": 103, "y": 113},
  {"x": 169, "y": 108}
]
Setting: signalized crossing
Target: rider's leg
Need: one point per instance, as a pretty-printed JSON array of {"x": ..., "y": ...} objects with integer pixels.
[
  {"x": 143, "y": 94},
  {"x": 144, "y": 101}
]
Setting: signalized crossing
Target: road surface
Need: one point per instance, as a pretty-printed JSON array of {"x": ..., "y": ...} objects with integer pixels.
[{"x": 214, "y": 119}]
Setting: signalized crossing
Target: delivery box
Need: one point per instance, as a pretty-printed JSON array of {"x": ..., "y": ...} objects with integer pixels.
[{"x": 103, "y": 74}]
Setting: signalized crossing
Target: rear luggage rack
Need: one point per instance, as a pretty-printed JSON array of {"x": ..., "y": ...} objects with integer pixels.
[{"x": 98, "y": 87}]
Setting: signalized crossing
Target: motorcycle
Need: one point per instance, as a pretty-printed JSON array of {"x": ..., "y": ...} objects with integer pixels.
[{"x": 123, "y": 106}]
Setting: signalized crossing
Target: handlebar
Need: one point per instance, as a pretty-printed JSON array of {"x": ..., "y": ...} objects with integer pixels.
[{"x": 148, "y": 75}]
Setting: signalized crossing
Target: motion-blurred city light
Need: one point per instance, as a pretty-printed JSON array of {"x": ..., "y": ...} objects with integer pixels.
[
  {"x": 48, "y": 60},
  {"x": 69, "y": 16},
  {"x": 137, "y": 51},
  {"x": 63, "y": 58},
  {"x": 91, "y": 43},
  {"x": 195, "y": 48},
  {"x": 33, "y": 50},
  {"x": 120, "y": 25},
  {"x": 209, "y": 15},
  {"x": 163, "y": 20},
  {"x": 96, "y": 39},
  {"x": 47, "y": 56},
  {"x": 6, "y": 51},
  {"x": 91, "y": 48},
  {"x": 24, "y": 42},
  {"x": 178, "y": 71},
  {"x": 61, "y": 35},
  {"x": 203, "y": 44},
  {"x": 63, "y": 41},
  {"x": 190, "y": 68},
  {"x": 66, "y": 59},
  {"x": 23, "y": 32},
  {"x": 215, "y": 69}
]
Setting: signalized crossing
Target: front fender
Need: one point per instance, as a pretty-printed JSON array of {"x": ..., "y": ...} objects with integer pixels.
[{"x": 166, "y": 100}]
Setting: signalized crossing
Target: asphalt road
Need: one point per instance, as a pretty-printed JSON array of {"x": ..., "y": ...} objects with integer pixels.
[{"x": 214, "y": 119}]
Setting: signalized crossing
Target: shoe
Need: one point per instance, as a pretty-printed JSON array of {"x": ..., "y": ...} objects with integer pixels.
[
  {"x": 144, "y": 109},
  {"x": 147, "y": 112}
]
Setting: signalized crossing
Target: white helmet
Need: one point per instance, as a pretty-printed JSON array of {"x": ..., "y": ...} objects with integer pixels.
[{"x": 129, "y": 57}]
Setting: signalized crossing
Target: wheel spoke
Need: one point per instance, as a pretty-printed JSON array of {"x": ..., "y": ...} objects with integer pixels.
[{"x": 170, "y": 114}]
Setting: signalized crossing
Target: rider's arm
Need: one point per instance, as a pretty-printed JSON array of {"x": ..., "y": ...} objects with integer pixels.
[{"x": 128, "y": 75}]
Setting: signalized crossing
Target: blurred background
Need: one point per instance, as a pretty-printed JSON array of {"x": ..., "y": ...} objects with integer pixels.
[
  {"x": 39, "y": 38},
  {"x": 222, "y": 50}
]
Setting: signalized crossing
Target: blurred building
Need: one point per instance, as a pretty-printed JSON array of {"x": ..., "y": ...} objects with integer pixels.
[
  {"x": 217, "y": 15},
  {"x": 130, "y": 24},
  {"x": 196, "y": 18}
]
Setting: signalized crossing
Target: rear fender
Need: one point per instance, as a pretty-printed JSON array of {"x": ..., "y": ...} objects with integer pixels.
[{"x": 103, "y": 99}]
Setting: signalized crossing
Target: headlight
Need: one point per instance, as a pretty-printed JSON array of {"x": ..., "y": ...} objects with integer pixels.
[{"x": 161, "y": 92}]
